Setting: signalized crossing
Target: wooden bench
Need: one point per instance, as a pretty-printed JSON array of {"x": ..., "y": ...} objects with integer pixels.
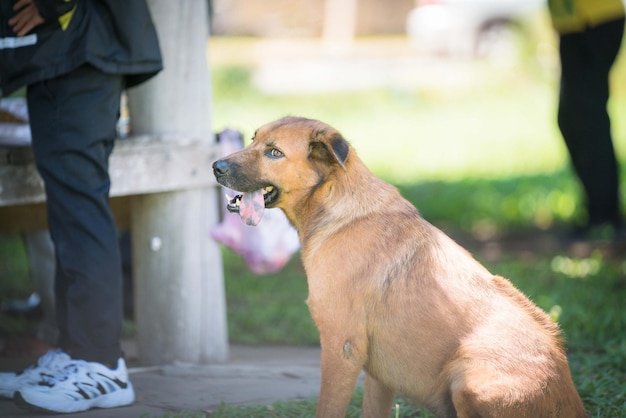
[
  {"x": 138, "y": 165},
  {"x": 154, "y": 179}
]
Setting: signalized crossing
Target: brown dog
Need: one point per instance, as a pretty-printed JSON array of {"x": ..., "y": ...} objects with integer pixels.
[{"x": 392, "y": 294}]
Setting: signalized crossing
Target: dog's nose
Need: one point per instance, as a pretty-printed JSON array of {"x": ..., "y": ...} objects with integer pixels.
[{"x": 220, "y": 167}]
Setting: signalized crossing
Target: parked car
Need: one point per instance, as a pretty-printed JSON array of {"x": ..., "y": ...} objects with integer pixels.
[{"x": 470, "y": 28}]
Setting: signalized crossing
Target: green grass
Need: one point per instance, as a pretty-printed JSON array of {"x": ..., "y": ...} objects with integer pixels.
[
  {"x": 267, "y": 309},
  {"x": 403, "y": 134},
  {"x": 15, "y": 281},
  {"x": 306, "y": 408}
]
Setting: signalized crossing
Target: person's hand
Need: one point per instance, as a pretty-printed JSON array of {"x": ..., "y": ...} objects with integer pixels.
[{"x": 26, "y": 17}]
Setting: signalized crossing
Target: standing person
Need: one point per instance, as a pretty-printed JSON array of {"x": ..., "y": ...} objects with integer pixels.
[
  {"x": 76, "y": 57},
  {"x": 590, "y": 34}
]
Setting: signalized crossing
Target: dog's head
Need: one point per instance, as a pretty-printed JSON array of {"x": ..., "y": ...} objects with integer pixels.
[{"x": 285, "y": 162}]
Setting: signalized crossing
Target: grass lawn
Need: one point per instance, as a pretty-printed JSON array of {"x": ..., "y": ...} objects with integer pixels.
[{"x": 482, "y": 161}]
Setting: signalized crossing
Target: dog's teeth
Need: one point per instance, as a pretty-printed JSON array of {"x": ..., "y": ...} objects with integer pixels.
[
  {"x": 236, "y": 200},
  {"x": 268, "y": 189}
]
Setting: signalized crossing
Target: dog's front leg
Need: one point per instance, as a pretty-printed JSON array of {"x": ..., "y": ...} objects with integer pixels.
[
  {"x": 341, "y": 363},
  {"x": 377, "y": 398}
]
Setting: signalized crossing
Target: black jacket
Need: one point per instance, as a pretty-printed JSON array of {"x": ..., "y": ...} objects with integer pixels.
[{"x": 115, "y": 36}]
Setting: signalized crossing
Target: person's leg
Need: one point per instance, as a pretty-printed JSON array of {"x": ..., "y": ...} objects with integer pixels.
[
  {"x": 73, "y": 127},
  {"x": 583, "y": 119}
]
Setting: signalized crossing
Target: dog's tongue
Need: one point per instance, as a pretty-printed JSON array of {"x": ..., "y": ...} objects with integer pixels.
[{"x": 251, "y": 207}]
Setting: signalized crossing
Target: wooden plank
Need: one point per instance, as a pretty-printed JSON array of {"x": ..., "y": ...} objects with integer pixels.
[
  {"x": 33, "y": 216},
  {"x": 138, "y": 165},
  {"x": 158, "y": 164},
  {"x": 21, "y": 218}
]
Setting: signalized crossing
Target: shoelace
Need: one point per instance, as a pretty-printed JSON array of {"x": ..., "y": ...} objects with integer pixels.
[
  {"x": 42, "y": 363},
  {"x": 63, "y": 374}
]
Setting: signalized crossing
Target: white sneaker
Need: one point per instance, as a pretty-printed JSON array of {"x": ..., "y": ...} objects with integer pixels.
[
  {"x": 80, "y": 386},
  {"x": 47, "y": 365}
]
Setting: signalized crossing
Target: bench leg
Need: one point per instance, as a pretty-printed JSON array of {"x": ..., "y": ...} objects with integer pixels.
[{"x": 180, "y": 304}]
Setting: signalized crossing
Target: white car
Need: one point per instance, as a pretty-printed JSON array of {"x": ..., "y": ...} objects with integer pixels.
[{"x": 470, "y": 28}]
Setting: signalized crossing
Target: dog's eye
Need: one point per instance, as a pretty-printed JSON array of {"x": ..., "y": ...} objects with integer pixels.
[{"x": 273, "y": 153}]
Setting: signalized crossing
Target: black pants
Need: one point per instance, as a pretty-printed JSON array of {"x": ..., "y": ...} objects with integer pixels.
[
  {"x": 586, "y": 59},
  {"x": 73, "y": 126}
]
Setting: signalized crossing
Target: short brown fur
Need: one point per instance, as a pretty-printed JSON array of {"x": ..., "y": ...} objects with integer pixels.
[{"x": 393, "y": 295}]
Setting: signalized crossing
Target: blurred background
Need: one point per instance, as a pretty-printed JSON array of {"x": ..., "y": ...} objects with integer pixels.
[
  {"x": 429, "y": 90},
  {"x": 455, "y": 103}
]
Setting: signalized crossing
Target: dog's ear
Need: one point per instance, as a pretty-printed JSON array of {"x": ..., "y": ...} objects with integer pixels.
[
  {"x": 329, "y": 150},
  {"x": 340, "y": 148}
]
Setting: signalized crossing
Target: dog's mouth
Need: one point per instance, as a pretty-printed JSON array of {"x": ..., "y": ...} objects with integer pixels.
[{"x": 250, "y": 205}]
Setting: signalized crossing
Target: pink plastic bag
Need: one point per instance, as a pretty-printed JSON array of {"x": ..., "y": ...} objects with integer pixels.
[{"x": 267, "y": 247}]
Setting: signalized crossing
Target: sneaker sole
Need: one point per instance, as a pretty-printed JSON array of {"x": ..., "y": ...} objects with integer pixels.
[
  {"x": 112, "y": 400},
  {"x": 6, "y": 394}
]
